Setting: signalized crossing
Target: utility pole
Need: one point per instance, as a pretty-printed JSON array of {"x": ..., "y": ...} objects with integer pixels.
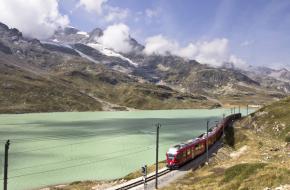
[
  {"x": 231, "y": 110},
  {"x": 247, "y": 109},
  {"x": 6, "y": 164},
  {"x": 207, "y": 123},
  {"x": 234, "y": 110},
  {"x": 157, "y": 147}
]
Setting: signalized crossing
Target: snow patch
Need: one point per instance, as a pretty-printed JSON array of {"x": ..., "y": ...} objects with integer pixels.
[
  {"x": 83, "y": 33},
  {"x": 87, "y": 57},
  {"x": 109, "y": 52}
]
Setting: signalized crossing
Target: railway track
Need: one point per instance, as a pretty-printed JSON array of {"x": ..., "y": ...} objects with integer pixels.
[
  {"x": 172, "y": 174},
  {"x": 140, "y": 182}
]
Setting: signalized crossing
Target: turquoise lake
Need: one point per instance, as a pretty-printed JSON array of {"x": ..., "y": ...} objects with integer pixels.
[{"x": 57, "y": 148}]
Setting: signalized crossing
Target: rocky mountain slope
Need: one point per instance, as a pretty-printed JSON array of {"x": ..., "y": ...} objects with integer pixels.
[
  {"x": 43, "y": 77},
  {"x": 73, "y": 64},
  {"x": 228, "y": 85}
]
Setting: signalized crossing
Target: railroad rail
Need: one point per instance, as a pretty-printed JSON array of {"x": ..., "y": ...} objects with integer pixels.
[
  {"x": 171, "y": 175},
  {"x": 212, "y": 142},
  {"x": 141, "y": 182}
]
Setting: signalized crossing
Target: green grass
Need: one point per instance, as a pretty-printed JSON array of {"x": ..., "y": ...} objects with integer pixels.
[
  {"x": 287, "y": 138},
  {"x": 272, "y": 116},
  {"x": 241, "y": 172}
]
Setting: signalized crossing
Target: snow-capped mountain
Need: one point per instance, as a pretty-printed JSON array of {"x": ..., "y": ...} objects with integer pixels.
[{"x": 71, "y": 36}]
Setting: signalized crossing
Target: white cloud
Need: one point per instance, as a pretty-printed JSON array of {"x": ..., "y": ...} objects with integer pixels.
[
  {"x": 117, "y": 37},
  {"x": 160, "y": 45},
  {"x": 151, "y": 13},
  {"x": 238, "y": 62},
  {"x": 33, "y": 17},
  {"x": 189, "y": 51},
  {"x": 92, "y": 5},
  {"x": 116, "y": 14},
  {"x": 214, "y": 52}
]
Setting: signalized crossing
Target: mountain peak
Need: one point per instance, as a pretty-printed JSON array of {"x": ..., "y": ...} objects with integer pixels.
[
  {"x": 96, "y": 32},
  {"x": 3, "y": 26}
]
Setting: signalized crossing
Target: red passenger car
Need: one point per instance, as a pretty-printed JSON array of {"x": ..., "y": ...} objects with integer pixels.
[{"x": 182, "y": 153}]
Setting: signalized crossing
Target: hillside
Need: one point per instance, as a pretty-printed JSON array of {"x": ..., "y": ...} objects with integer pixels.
[
  {"x": 73, "y": 72},
  {"x": 41, "y": 77},
  {"x": 226, "y": 85},
  {"x": 258, "y": 157}
]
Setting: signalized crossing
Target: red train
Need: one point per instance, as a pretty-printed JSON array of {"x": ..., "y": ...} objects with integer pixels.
[{"x": 181, "y": 153}]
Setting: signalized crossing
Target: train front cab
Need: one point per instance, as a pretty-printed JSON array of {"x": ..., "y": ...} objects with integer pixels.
[{"x": 181, "y": 157}]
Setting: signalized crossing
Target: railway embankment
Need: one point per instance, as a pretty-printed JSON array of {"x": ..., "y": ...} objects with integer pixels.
[{"x": 257, "y": 155}]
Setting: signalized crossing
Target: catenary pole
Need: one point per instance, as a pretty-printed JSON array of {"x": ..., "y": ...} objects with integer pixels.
[
  {"x": 157, "y": 151},
  {"x": 6, "y": 164},
  {"x": 207, "y": 123}
]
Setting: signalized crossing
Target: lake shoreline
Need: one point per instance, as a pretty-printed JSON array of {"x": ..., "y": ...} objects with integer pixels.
[
  {"x": 56, "y": 148},
  {"x": 136, "y": 110}
]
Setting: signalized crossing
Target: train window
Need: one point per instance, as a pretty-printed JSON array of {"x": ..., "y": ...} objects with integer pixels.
[
  {"x": 170, "y": 156},
  {"x": 188, "y": 152}
]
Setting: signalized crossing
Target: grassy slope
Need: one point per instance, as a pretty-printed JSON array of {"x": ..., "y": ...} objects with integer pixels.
[
  {"x": 22, "y": 91},
  {"x": 259, "y": 157},
  {"x": 74, "y": 84},
  {"x": 129, "y": 93}
]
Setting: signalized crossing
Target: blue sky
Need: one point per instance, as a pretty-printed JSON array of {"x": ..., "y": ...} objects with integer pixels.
[{"x": 256, "y": 32}]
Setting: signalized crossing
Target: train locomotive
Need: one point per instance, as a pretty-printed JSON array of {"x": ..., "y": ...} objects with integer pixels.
[{"x": 182, "y": 153}]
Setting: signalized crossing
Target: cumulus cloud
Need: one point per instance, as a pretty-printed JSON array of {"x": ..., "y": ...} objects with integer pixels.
[
  {"x": 238, "y": 62},
  {"x": 92, "y": 5},
  {"x": 214, "y": 52},
  {"x": 33, "y": 17},
  {"x": 117, "y": 37},
  {"x": 160, "y": 45},
  {"x": 116, "y": 14}
]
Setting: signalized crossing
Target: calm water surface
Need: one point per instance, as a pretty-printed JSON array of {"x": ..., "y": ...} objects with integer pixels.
[{"x": 56, "y": 148}]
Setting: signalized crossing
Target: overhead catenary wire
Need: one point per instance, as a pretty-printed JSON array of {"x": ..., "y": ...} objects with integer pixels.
[
  {"x": 83, "y": 164},
  {"x": 78, "y": 159}
]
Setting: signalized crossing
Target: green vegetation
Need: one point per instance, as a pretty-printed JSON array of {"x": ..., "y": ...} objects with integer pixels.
[
  {"x": 255, "y": 155},
  {"x": 150, "y": 169},
  {"x": 241, "y": 172},
  {"x": 274, "y": 119},
  {"x": 287, "y": 138},
  {"x": 229, "y": 136}
]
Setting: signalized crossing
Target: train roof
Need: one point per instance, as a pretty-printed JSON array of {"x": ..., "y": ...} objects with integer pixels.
[{"x": 177, "y": 147}]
